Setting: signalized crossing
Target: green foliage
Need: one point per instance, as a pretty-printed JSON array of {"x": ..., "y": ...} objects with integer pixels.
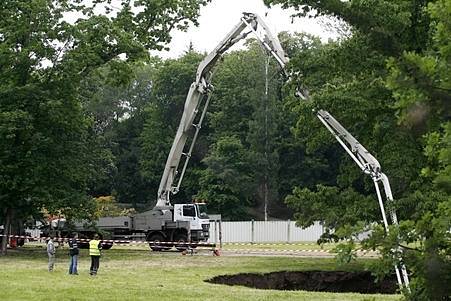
[
  {"x": 226, "y": 185},
  {"x": 334, "y": 207},
  {"x": 241, "y": 108},
  {"x": 391, "y": 26},
  {"x": 43, "y": 161},
  {"x": 83, "y": 110},
  {"x": 388, "y": 83},
  {"x": 46, "y": 143},
  {"x": 118, "y": 119},
  {"x": 438, "y": 152},
  {"x": 421, "y": 80},
  {"x": 346, "y": 253}
]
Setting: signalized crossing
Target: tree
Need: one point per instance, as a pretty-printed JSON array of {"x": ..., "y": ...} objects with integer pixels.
[
  {"x": 391, "y": 26},
  {"x": 44, "y": 59},
  {"x": 226, "y": 184},
  {"x": 118, "y": 115},
  {"x": 421, "y": 84},
  {"x": 398, "y": 110},
  {"x": 241, "y": 108}
]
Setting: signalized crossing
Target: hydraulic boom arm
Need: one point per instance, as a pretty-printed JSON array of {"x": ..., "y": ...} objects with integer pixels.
[
  {"x": 369, "y": 165},
  {"x": 198, "y": 99}
]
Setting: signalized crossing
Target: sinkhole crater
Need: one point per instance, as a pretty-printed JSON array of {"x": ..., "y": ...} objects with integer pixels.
[{"x": 317, "y": 281}]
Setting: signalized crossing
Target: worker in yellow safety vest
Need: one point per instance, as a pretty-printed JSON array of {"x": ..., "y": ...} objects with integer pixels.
[{"x": 94, "y": 251}]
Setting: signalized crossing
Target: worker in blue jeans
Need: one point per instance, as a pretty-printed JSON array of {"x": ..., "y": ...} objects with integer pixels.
[{"x": 73, "y": 253}]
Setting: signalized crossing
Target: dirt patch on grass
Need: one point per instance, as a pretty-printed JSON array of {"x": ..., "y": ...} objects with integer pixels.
[{"x": 318, "y": 281}]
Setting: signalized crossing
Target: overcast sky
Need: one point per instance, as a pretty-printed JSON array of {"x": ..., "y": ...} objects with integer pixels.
[{"x": 220, "y": 16}]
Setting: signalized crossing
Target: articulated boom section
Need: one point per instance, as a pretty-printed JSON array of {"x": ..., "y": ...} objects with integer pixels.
[
  {"x": 358, "y": 152},
  {"x": 198, "y": 99},
  {"x": 369, "y": 165}
]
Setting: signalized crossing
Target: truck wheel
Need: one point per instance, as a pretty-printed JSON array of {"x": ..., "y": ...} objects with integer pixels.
[
  {"x": 181, "y": 240},
  {"x": 154, "y": 242}
]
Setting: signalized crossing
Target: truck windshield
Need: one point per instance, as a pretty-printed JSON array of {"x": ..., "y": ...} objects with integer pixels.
[
  {"x": 202, "y": 211},
  {"x": 189, "y": 210}
]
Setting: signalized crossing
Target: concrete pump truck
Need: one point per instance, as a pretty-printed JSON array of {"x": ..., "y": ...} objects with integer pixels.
[
  {"x": 177, "y": 223},
  {"x": 168, "y": 224},
  {"x": 199, "y": 97}
]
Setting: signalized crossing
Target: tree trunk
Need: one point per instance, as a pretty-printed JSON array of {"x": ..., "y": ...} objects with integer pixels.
[{"x": 6, "y": 230}]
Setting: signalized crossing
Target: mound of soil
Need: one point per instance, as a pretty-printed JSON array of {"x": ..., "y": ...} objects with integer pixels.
[{"x": 318, "y": 281}]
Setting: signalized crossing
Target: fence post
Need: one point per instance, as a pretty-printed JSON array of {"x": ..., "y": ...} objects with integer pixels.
[
  {"x": 216, "y": 231},
  {"x": 288, "y": 231},
  {"x": 252, "y": 231},
  {"x": 220, "y": 234}
]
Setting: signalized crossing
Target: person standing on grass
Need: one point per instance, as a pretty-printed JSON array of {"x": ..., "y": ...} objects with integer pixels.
[
  {"x": 51, "y": 253},
  {"x": 94, "y": 251},
  {"x": 73, "y": 253}
]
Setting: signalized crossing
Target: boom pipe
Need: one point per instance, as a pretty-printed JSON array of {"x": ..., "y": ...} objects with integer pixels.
[
  {"x": 369, "y": 165},
  {"x": 271, "y": 43},
  {"x": 367, "y": 162},
  {"x": 170, "y": 171},
  {"x": 197, "y": 126}
]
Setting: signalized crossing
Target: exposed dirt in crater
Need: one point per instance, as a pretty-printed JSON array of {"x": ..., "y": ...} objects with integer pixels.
[{"x": 319, "y": 281}]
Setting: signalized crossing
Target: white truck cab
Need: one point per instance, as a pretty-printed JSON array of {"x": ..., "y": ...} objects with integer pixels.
[{"x": 197, "y": 217}]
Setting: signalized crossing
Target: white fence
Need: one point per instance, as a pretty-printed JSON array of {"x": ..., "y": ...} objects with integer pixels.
[{"x": 261, "y": 231}]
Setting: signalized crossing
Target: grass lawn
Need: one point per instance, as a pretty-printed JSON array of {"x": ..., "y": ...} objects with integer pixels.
[{"x": 128, "y": 273}]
